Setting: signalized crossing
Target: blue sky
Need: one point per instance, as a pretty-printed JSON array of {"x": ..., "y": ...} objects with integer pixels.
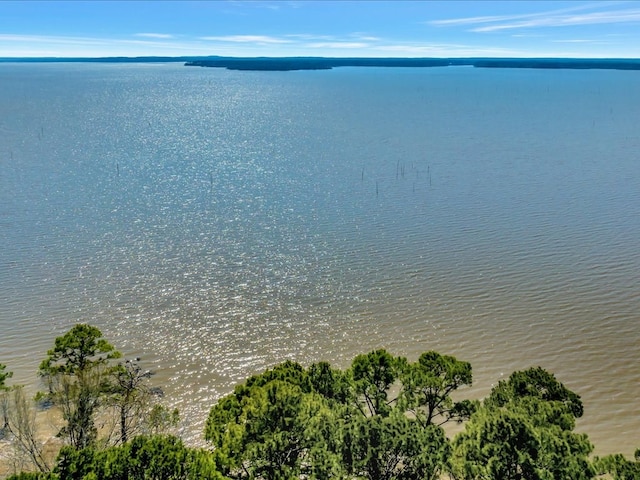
[{"x": 321, "y": 28}]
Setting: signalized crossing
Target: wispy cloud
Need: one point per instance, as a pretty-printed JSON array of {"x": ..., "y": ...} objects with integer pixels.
[
  {"x": 302, "y": 40},
  {"x": 552, "y": 18},
  {"x": 261, "y": 39},
  {"x": 338, "y": 45},
  {"x": 309, "y": 36},
  {"x": 594, "y": 18},
  {"x": 454, "y": 22},
  {"x": 504, "y": 18},
  {"x": 583, "y": 40},
  {"x": 154, "y": 35},
  {"x": 53, "y": 45},
  {"x": 245, "y": 7},
  {"x": 7, "y": 37},
  {"x": 365, "y": 37},
  {"x": 573, "y": 40},
  {"x": 65, "y": 40},
  {"x": 448, "y": 50}
]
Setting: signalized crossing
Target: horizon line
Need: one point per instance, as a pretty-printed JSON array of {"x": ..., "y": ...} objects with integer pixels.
[{"x": 180, "y": 57}]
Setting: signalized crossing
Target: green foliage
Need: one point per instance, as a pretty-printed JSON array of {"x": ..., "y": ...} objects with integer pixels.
[
  {"x": 78, "y": 351},
  {"x": 373, "y": 374},
  {"x": 535, "y": 382},
  {"x": 75, "y": 464},
  {"x": 288, "y": 371},
  {"x": 34, "y": 476},
  {"x": 130, "y": 395},
  {"x": 331, "y": 383},
  {"x": 509, "y": 444},
  {"x": 619, "y": 467},
  {"x": 392, "y": 439},
  {"x": 76, "y": 373},
  {"x": 278, "y": 425},
  {"x": 394, "y": 447},
  {"x": 143, "y": 458},
  {"x": 427, "y": 386},
  {"x": 379, "y": 420},
  {"x": 275, "y": 426},
  {"x": 523, "y": 431},
  {"x": 319, "y": 422},
  {"x": 4, "y": 399},
  {"x": 160, "y": 419},
  {"x": 4, "y": 376}
]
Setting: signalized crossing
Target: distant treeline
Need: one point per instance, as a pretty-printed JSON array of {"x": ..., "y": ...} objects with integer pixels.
[
  {"x": 101, "y": 59},
  {"x": 321, "y": 63},
  {"x": 326, "y": 63}
]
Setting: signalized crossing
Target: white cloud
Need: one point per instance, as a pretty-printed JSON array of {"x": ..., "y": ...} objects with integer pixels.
[
  {"x": 4, "y": 37},
  {"x": 582, "y": 40},
  {"x": 448, "y": 50},
  {"x": 551, "y": 18},
  {"x": 575, "y": 40},
  {"x": 614, "y": 17},
  {"x": 504, "y": 18},
  {"x": 365, "y": 37},
  {"x": 154, "y": 35},
  {"x": 63, "y": 46},
  {"x": 338, "y": 45},
  {"x": 308, "y": 36},
  {"x": 473, "y": 20},
  {"x": 247, "y": 39}
]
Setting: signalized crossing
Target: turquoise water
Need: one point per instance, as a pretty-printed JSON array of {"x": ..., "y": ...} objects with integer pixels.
[{"x": 215, "y": 222}]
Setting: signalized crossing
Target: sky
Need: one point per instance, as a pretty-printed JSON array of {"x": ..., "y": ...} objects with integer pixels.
[{"x": 580, "y": 29}]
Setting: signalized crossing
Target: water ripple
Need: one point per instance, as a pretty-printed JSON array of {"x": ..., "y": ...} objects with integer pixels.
[{"x": 215, "y": 223}]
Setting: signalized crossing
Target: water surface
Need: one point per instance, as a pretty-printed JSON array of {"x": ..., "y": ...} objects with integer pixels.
[{"x": 216, "y": 222}]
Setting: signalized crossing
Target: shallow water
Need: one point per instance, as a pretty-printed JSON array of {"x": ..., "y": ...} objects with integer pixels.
[{"x": 215, "y": 223}]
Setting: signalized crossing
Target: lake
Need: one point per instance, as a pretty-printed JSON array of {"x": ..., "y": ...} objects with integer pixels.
[{"x": 215, "y": 223}]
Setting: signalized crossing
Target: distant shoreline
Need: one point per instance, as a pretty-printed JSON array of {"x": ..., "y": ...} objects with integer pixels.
[
  {"x": 306, "y": 63},
  {"x": 328, "y": 63}
]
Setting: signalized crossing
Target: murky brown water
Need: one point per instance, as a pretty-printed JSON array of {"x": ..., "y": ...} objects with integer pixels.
[{"x": 217, "y": 222}]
